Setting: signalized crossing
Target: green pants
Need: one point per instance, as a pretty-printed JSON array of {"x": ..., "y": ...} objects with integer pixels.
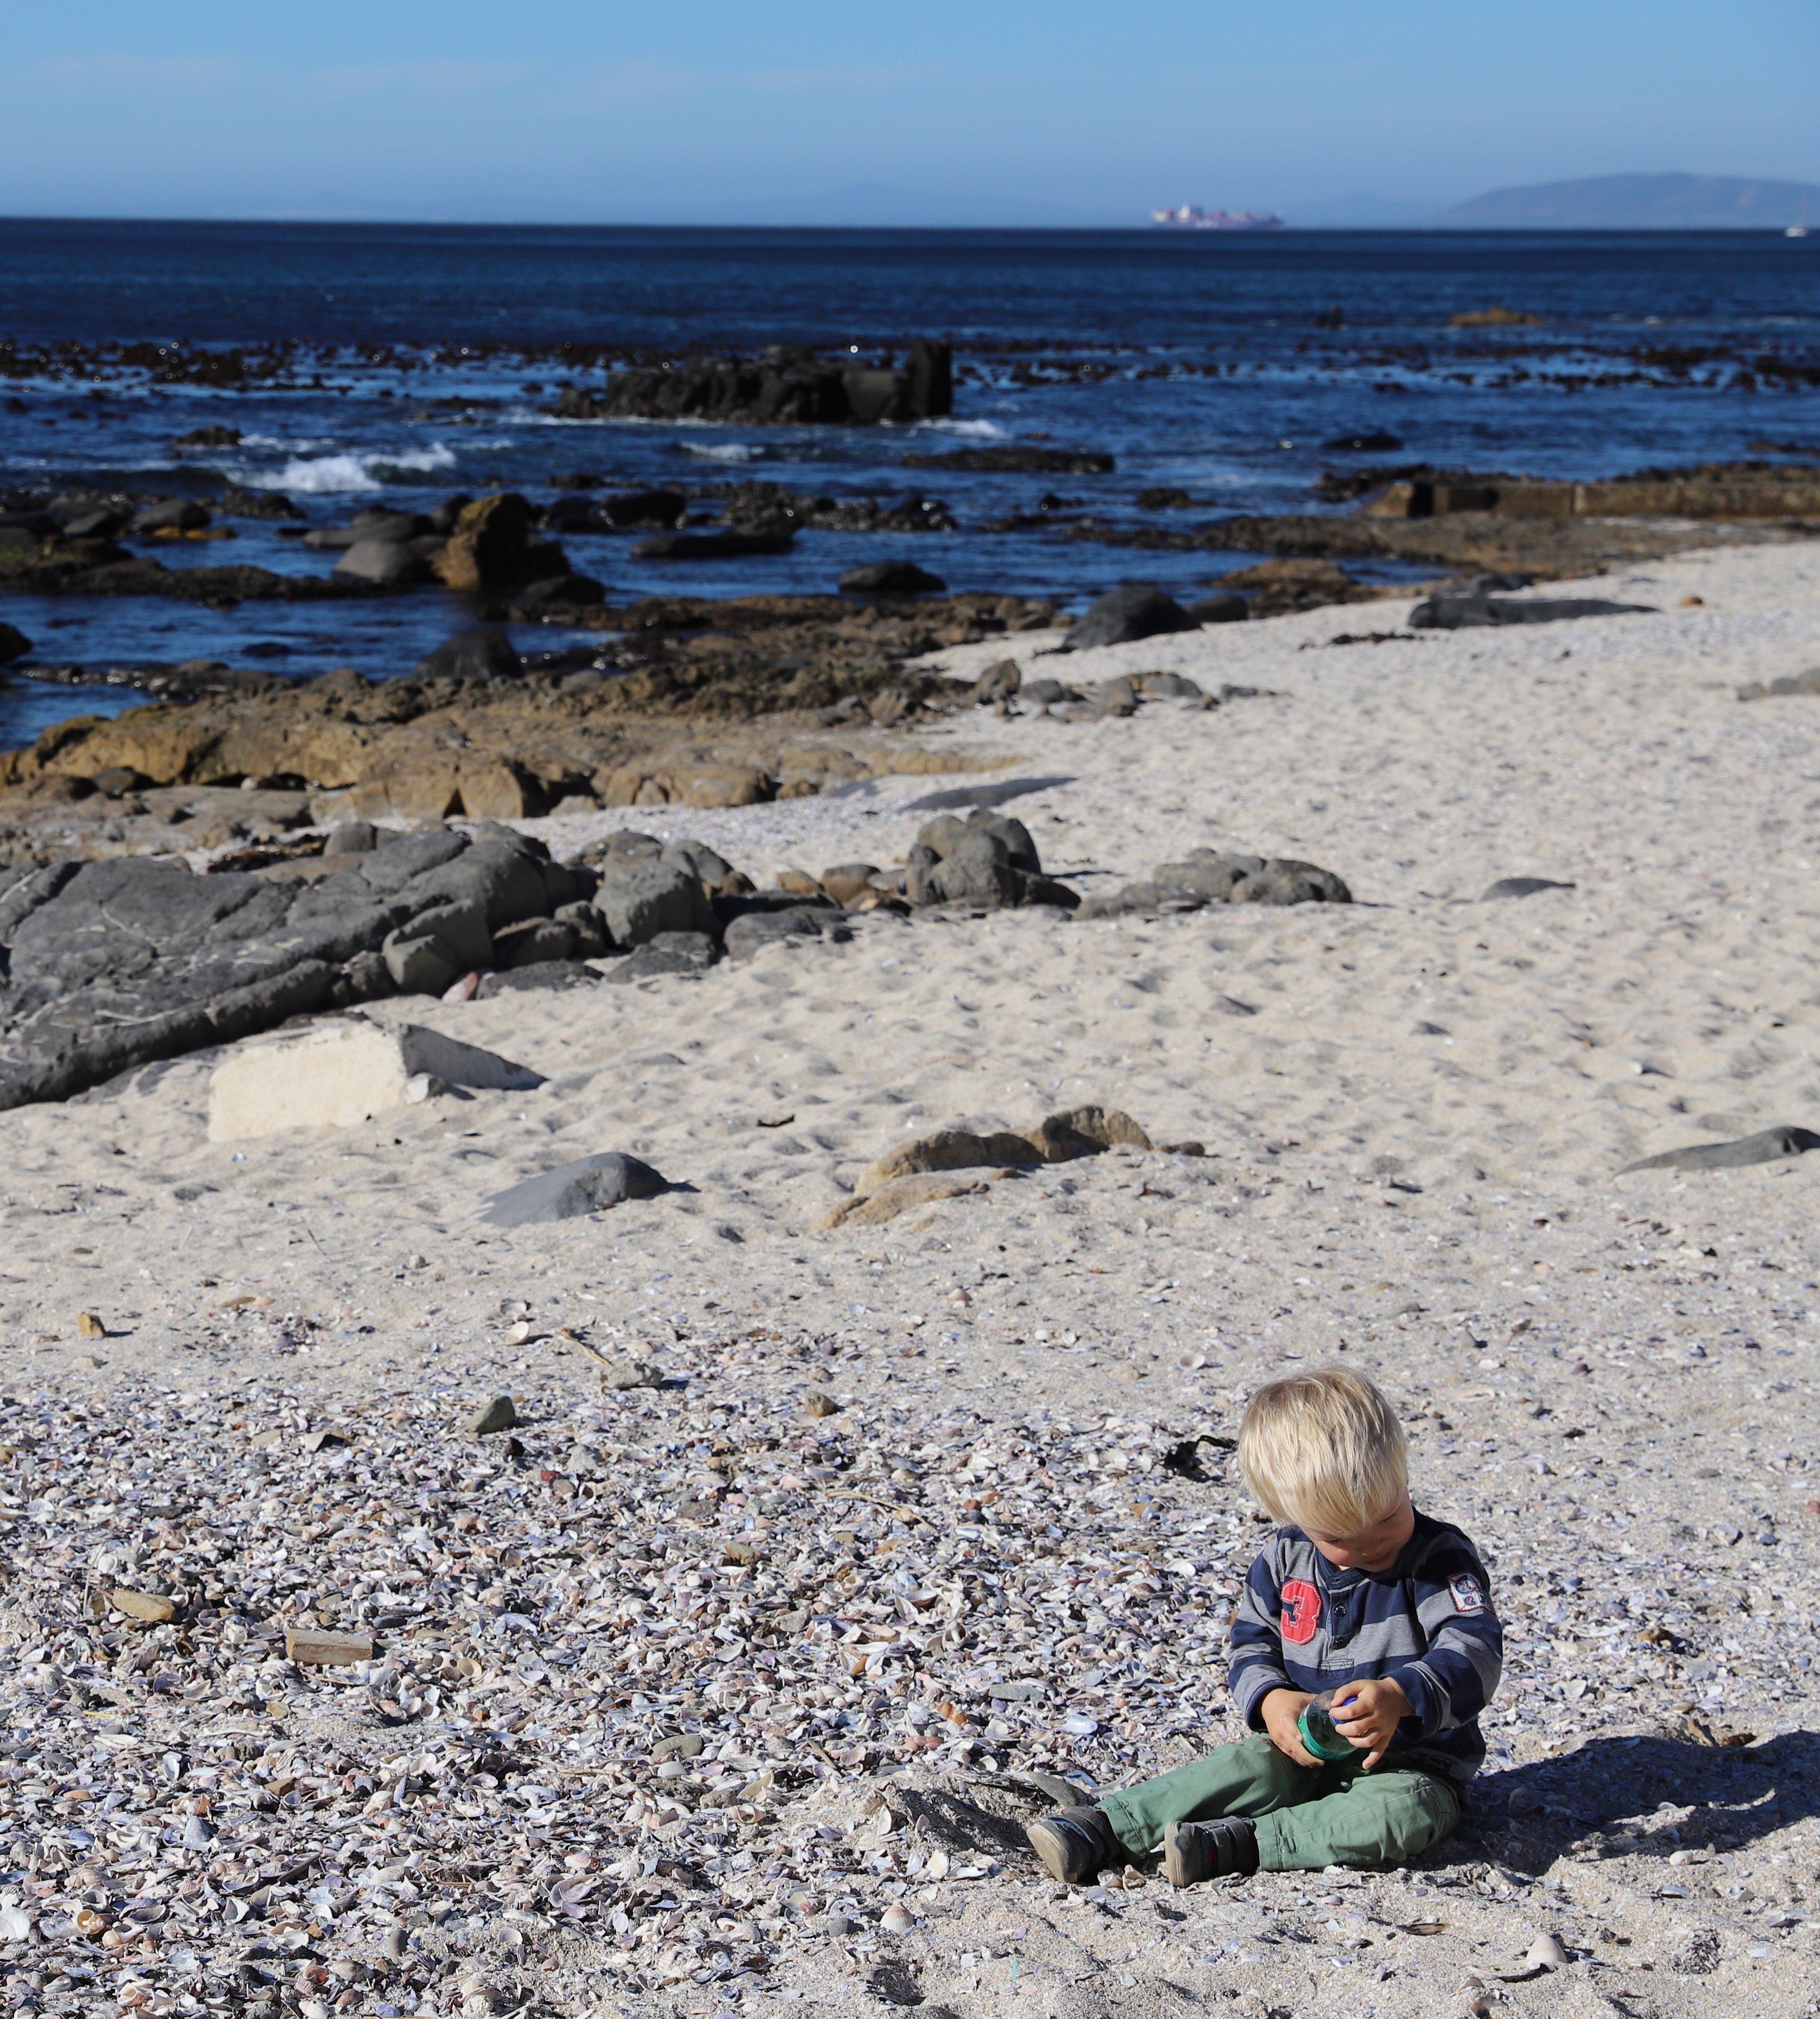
[{"x": 1307, "y": 1817}]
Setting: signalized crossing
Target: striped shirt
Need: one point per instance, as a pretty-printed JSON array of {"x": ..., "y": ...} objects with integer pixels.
[{"x": 1426, "y": 1623}]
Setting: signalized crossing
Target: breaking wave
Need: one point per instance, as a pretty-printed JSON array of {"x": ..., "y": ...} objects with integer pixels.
[
  {"x": 314, "y": 474},
  {"x": 723, "y": 452}
]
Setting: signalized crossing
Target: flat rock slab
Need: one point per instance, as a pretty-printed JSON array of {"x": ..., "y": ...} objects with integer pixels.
[
  {"x": 341, "y": 1073},
  {"x": 1769, "y": 1146},
  {"x": 571, "y": 1191},
  {"x": 539, "y": 974},
  {"x": 107, "y": 966}
]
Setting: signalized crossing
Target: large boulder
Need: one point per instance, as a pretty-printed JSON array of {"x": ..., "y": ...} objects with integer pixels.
[
  {"x": 14, "y": 644},
  {"x": 987, "y": 860},
  {"x": 639, "y": 898},
  {"x": 384, "y": 563},
  {"x": 169, "y": 515},
  {"x": 1133, "y": 611},
  {"x": 342, "y": 1072},
  {"x": 490, "y": 549}
]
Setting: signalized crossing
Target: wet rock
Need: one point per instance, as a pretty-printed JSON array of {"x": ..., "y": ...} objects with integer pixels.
[
  {"x": 564, "y": 589},
  {"x": 890, "y": 579},
  {"x": 643, "y": 508},
  {"x": 484, "y": 653},
  {"x": 589, "y": 1184},
  {"x": 386, "y": 563},
  {"x": 787, "y": 386},
  {"x": 1222, "y": 609},
  {"x": 1135, "y": 610},
  {"x": 14, "y": 644},
  {"x": 1521, "y": 886},
  {"x": 214, "y": 436},
  {"x": 666, "y": 953},
  {"x": 169, "y": 515},
  {"x": 1015, "y": 456},
  {"x": 1767, "y": 1146},
  {"x": 730, "y": 545},
  {"x": 490, "y": 548}
]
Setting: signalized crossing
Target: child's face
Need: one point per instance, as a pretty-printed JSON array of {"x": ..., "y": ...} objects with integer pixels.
[{"x": 1373, "y": 1549}]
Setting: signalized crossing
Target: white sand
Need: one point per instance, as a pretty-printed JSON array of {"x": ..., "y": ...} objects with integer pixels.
[{"x": 1401, "y": 1192}]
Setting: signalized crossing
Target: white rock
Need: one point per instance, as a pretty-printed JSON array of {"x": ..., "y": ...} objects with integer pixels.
[{"x": 342, "y": 1073}]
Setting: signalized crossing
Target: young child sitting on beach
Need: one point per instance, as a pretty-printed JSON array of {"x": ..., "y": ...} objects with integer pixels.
[{"x": 1357, "y": 1594}]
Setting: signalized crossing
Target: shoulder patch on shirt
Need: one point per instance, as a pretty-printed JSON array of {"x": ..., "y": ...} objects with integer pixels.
[
  {"x": 1301, "y": 1611},
  {"x": 1468, "y": 1596}
]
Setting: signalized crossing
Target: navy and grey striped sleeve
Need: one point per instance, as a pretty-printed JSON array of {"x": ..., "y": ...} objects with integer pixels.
[
  {"x": 1452, "y": 1680},
  {"x": 1257, "y": 1640}
]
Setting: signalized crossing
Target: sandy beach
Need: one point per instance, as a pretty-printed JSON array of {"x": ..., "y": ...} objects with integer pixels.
[{"x": 1412, "y": 1110}]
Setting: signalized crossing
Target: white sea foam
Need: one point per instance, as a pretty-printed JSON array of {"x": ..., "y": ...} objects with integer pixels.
[
  {"x": 981, "y": 430},
  {"x": 350, "y": 472},
  {"x": 724, "y": 452}
]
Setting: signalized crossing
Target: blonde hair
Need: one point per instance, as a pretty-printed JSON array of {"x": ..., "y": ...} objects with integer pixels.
[{"x": 1324, "y": 1451}]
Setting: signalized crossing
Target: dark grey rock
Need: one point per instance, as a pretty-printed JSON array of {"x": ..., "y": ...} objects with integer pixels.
[
  {"x": 462, "y": 927},
  {"x": 728, "y": 546},
  {"x": 1470, "y": 606},
  {"x": 1133, "y": 611},
  {"x": 590, "y": 1184},
  {"x": 384, "y": 563},
  {"x": 484, "y": 653},
  {"x": 1769, "y": 1146},
  {"x": 506, "y": 885},
  {"x": 669, "y": 953},
  {"x": 14, "y": 644},
  {"x": 562, "y": 588},
  {"x": 589, "y": 929},
  {"x": 420, "y": 964},
  {"x": 1288, "y": 882},
  {"x": 533, "y": 942},
  {"x": 379, "y": 523},
  {"x": 640, "y": 899},
  {"x": 165, "y": 515},
  {"x": 997, "y": 683},
  {"x": 1046, "y": 692},
  {"x": 1210, "y": 876},
  {"x": 1522, "y": 886},
  {"x": 353, "y": 838},
  {"x": 1228, "y": 607},
  {"x": 754, "y": 930},
  {"x": 890, "y": 579},
  {"x": 705, "y": 863},
  {"x": 644, "y": 508},
  {"x": 545, "y": 974}
]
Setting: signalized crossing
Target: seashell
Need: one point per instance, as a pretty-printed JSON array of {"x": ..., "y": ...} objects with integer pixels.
[{"x": 898, "y": 1919}]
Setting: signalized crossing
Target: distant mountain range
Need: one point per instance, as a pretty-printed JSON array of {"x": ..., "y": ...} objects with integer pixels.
[{"x": 1641, "y": 203}]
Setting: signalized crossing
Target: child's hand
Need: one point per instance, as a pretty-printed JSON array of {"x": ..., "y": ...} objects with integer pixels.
[
  {"x": 1368, "y": 1715},
  {"x": 1281, "y": 1708}
]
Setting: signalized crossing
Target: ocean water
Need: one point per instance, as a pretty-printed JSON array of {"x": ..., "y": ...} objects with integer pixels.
[{"x": 407, "y": 362}]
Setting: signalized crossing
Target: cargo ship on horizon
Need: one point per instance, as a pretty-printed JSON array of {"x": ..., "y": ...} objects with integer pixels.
[{"x": 1191, "y": 217}]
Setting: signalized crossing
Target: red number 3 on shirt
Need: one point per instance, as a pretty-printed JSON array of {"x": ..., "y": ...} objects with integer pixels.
[{"x": 1301, "y": 1611}]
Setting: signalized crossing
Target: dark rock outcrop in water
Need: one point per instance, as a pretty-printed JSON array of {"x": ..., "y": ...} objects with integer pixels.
[
  {"x": 785, "y": 386},
  {"x": 1003, "y": 456}
]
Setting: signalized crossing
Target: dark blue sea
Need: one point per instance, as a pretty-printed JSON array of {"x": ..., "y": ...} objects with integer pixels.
[{"x": 402, "y": 363}]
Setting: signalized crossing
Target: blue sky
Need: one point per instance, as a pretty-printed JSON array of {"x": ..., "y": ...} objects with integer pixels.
[{"x": 999, "y": 111}]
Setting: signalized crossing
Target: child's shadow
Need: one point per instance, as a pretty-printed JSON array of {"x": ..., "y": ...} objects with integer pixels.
[{"x": 1625, "y": 1797}]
